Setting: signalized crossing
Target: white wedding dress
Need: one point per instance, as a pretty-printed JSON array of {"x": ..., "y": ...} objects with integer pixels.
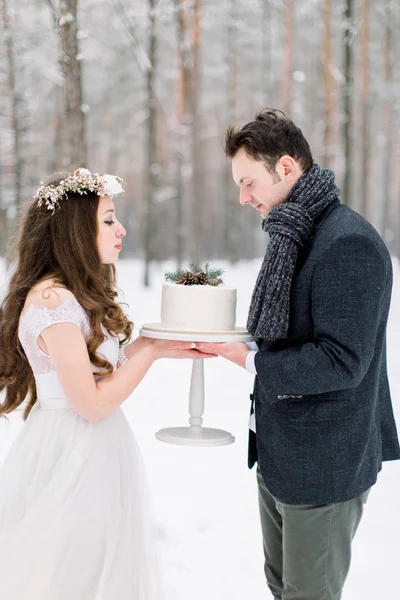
[{"x": 74, "y": 513}]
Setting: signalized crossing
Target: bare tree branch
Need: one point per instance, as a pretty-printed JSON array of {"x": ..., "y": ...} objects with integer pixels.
[{"x": 55, "y": 13}]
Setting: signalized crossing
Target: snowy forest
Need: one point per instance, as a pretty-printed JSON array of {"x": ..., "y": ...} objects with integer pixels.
[{"x": 145, "y": 89}]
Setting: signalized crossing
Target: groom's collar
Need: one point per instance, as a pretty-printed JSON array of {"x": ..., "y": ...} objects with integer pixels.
[{"x": 325, "y": 213}]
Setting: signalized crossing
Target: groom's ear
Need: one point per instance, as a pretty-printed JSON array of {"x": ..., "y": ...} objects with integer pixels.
[{"x": 287, "y": 168}]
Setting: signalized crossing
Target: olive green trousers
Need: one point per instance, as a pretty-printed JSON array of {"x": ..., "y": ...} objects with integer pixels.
[{"x": 307, "y": 548}]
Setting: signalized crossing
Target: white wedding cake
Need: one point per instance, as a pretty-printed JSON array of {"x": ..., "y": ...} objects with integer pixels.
[
  {"x": 198, "y": 308},
  {"x": 196, "y": 300}
]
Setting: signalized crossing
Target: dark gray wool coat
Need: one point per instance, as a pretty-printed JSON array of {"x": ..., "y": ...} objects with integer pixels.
[{"x": 324, "y": 416}]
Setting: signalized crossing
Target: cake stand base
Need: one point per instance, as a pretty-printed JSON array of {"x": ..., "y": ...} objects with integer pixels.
[
  {"x": 195, "y": 434},
  {"x": 186, "y": 436}
]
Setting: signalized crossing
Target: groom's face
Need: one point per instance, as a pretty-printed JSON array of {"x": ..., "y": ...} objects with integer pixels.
[{"x": 258, "y": 187}]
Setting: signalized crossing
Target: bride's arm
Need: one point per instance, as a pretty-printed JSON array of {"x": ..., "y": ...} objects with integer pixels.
[{"x": 93, "y": 400}]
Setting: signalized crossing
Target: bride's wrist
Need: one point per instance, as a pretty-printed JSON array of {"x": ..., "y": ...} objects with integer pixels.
[
  {"x": 135, "y": 346},
  {"x": 150, "y": 351},
  {"x": 128, "y": 350}
]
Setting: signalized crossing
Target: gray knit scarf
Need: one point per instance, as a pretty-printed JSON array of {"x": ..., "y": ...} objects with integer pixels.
[{"x": 290, "y": 226}]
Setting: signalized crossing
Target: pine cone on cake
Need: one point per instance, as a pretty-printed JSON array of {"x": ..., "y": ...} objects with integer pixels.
[
  {"x": 196, "y": 276},
  {"x": 193, "y": 279},
  {"x": 215, "y": 282}
]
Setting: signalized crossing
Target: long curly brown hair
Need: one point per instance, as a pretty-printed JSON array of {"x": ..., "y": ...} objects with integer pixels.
[{"x": 62, "y": 247}]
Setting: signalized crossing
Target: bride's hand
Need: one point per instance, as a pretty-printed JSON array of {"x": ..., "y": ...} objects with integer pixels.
[{"x": 173, "y": 349}]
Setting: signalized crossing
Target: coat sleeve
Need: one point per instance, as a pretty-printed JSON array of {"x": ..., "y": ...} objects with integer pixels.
[{"x": 350, "y": 293}]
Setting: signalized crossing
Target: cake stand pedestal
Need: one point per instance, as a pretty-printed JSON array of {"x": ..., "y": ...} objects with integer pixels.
[{"x": 195, "y": 434}]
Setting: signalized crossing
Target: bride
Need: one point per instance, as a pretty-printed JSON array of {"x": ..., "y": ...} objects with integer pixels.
[{"x": 74, "y": 522}]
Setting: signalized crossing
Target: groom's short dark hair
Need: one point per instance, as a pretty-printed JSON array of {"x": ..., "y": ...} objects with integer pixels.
[{"x": 267, "y": 138}]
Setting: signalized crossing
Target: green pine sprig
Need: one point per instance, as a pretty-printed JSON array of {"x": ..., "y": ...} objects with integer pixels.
[
  {"x": 212, "y": 273},
  {"x": 174, "y": 276}
]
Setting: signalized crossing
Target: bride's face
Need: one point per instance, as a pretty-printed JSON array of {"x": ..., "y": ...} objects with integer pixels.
[{"x": 111, "y": 231}]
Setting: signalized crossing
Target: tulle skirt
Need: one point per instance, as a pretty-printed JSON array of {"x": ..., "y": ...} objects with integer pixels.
[{"x": 75, "y": 522}]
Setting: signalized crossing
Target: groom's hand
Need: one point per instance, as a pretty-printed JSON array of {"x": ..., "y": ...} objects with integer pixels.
[{"x": 233, "y": 351}]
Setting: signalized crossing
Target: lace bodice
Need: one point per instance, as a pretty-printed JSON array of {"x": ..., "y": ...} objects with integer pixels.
[{"x": 35, "y": 320}]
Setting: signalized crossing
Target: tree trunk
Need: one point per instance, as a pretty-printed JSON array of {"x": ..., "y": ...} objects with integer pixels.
[
  {"x": 230, "y": 204},
  {"x": 3, "y": 232},
  {"x": 266, "y": 53},
  {"x": 347, "y": 100},
  {"x": 388, "y": 166},
  {"x": 328, "y": 81},
  {"x": 151, "y": 150},
  {"x": 55, "y": 161},
  {"x": 15, "y": 108},
  {"x": 198, "y": 201},
  {"x": 365, "y": 110},
  {"x": 189, "y": 186},
  {"x": 178, "y": 158},
  {"x": 287, "y": 83},
  {"x": 75, "y": 153},
  {"x": 181, "y": 138},
  {"x": 16, "y": 163}
]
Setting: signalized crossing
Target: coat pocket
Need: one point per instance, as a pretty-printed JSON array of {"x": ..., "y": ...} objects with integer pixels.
[{"x": 328, "y": 409}]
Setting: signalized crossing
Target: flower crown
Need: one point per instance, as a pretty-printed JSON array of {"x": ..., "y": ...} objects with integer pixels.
[{"x": 82, "y": 181}]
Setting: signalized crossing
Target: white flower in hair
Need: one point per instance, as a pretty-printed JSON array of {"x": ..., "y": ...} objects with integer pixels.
[
  {"x": 81, "y": 171},
  {"x": 81, "y": 182},
  {"x": 113, "y": 184}
]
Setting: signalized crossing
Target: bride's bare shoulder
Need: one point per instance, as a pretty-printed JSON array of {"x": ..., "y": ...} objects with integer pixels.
[{"x": 46, "y": 294}]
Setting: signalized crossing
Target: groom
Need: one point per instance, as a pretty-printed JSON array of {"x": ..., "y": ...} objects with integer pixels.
[{"x": 321, "y": 417}]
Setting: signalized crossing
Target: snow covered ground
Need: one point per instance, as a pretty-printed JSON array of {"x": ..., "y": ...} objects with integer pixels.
[{"x": 205, "y": 499}]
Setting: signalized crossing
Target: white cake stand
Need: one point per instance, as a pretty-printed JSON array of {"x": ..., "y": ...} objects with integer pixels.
[{"x": 195, "y": 434}]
